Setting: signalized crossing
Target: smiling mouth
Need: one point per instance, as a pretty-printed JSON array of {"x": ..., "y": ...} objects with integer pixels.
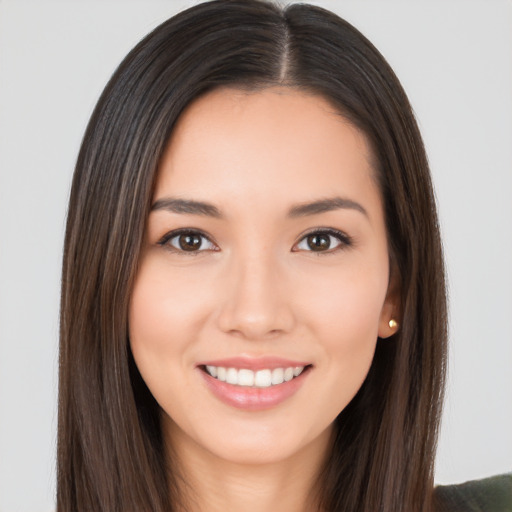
[{"x": 263, "y": 378}]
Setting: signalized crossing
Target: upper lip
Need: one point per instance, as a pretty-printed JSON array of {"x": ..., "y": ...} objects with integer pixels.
[{"x": 254, "y": 363}]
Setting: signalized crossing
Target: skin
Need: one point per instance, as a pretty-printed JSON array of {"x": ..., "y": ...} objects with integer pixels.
[{"x": 255, "y": 287}]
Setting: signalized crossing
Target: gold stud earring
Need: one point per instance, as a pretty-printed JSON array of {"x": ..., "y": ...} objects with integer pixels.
[{"x": 393, "y": 324}]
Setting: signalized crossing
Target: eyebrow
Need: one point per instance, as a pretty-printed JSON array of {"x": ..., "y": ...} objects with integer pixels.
[
  {"x": 189, "y": 206},
  {"x": 325, "y": 205}
]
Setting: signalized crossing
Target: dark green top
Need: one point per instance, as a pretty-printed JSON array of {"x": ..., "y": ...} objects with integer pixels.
[{"x": 489, "y": 495}]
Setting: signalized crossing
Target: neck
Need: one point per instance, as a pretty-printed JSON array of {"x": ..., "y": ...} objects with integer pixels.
[{"x": 213, "y": 484}]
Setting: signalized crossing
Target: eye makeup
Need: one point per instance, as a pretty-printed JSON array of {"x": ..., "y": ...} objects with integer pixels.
[{"x": 191, "y": 241}]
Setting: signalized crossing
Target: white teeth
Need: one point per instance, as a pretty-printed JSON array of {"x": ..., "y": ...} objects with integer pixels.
[
  {"x": 212, "y": 370},
  {"x": 248, "y": 378},
  {"x": 288, "y": 374},
  {"x": 277, "y": 376},
  {"x": 232, "y": 376},
  {"x": 245, "y": 377},
  {"x": 221, "y": 373},
  {"x": 263, "y": 379}
]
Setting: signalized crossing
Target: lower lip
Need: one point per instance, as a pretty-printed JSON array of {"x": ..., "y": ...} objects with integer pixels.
[{"x": 252, "y": 398}]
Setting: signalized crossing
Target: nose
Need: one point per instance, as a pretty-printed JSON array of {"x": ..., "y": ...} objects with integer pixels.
[{"x": 257, "y": 304}]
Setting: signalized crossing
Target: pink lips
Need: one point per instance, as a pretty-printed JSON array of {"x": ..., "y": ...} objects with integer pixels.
[{"x": 253, "y": 398}]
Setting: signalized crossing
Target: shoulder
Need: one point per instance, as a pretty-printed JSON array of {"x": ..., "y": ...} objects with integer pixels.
[{"x": 488, "y": 495}]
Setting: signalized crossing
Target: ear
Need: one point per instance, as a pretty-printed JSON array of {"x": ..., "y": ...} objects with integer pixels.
[{"x": 389, "y": 322}]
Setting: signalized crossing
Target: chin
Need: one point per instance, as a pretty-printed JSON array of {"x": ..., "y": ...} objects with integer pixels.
[{"x": 248, "y": 442}]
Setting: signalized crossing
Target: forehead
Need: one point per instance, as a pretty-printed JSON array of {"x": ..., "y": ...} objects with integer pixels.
[{"x": 277, "y": 142}]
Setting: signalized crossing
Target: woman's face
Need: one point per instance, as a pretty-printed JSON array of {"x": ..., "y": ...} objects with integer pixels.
[{"x": 263, "y": 283}]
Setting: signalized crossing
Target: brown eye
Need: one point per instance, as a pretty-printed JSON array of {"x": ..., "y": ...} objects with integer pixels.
[
  {"x": 324, "y": 241},
  {"x": 187, "y": 241},
  {"x": 318, "y": 242}
]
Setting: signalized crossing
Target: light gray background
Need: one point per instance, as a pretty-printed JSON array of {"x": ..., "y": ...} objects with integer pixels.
[{"x": 455, "y": 61}]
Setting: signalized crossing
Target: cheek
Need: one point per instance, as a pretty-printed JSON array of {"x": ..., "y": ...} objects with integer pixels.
[
  {"x": 343, "y": 308},
  {"x": 164, "y": 317},
  {"x": 165, "y": 304},
  {"x": 347, "y": 301}
]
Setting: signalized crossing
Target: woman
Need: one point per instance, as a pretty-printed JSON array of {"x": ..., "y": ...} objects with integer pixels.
[{"x": 253, "y": 303}]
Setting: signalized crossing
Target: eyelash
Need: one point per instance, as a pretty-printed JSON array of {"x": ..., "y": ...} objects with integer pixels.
[
  {"x": 165, "y": 241},
  {"x": 344, "y": 240}
]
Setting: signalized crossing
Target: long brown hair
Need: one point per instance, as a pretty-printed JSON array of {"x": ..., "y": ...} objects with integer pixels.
[{"x": 110, "y": 447}]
